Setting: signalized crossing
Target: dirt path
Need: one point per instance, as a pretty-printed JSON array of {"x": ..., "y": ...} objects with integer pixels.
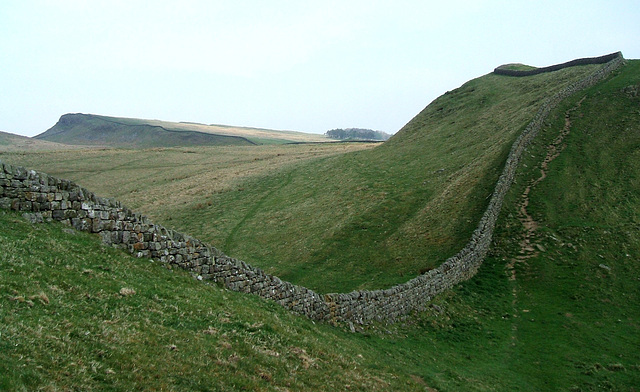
[{"x": 528, "y": 247}]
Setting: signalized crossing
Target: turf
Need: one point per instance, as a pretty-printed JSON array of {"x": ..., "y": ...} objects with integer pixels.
[
  {"x": 362, "y": 220},
  {"x": 568, "y": 321}
]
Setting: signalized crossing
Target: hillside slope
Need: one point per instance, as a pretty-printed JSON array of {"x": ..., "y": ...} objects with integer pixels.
[
  {"x": 88, "y": 129},
  {"x": 376, "y": 218},
  {"x": 75, "y": 315},
  {"x": 91, "y": 129},
  {"x": 363, "y": 220},
  {"x": 553, "y": 308},
  {"x": 10, "y": 142}
]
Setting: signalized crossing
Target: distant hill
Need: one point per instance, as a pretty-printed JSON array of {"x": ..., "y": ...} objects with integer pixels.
[
  {"x": 10, "y": 142},
  {"x": 357, "y": 134},
  {"x": 90, "y": 129}
]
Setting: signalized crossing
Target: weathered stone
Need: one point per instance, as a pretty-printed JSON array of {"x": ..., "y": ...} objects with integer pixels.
[{"x": 139, "y": 246}]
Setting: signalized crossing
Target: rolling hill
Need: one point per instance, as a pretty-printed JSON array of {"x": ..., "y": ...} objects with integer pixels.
[
  {"x": 553, "y": 307},
  {"x": 90, "y": 129},
  {"x": 363, "y": 220},
  {"x": 10, "y": 142},
  {"x": 372, "y": 219}
]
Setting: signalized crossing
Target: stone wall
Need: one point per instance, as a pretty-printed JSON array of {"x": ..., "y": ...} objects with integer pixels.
[
  {"x": 556, "y": 67},
  {"x": 43, "y": 198}
]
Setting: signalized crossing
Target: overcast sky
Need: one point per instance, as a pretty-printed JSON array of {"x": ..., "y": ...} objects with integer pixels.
[{"x": 282, "y": 64}]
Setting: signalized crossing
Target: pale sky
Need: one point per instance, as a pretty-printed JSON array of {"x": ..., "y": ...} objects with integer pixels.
[{"x": 298, "y": 65}]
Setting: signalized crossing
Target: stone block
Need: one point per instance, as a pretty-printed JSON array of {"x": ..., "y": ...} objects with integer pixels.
[
  {"x": 19, "y": 173},
  {"x": 33, "y": 218},
  {"x": 58, "y": 214},
  {"x": 81, "y": 224},
  {"x": 96, "y": 225},
  {"x": 10, "y": 192},
  {"x": 139, "y": 246}
]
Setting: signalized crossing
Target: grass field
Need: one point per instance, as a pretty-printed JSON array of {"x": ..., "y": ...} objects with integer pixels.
[
  {"x": 159, "y": 181},
  {"x": 565, "y": 317},
  {"x": 75, "y": 315},
  {"x": 367, "y": 219}
]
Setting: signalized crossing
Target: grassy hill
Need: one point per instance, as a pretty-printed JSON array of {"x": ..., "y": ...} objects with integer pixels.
[
  {"x": 366, "y": 219},
  {"x": 12, "y": 143},
  {"x": 375, "y": 218},
  {"x": 554, "y": 306},
  {"x": 75, "y": 315},
  {"x": 90, "y": 129}
]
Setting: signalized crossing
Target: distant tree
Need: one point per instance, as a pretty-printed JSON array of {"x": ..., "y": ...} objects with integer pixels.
[{"x": 356, "y": 134}]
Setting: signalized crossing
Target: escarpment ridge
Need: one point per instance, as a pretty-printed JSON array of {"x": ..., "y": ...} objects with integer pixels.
[
  {"x": 42, "y": 197},
  {"x": 92, "y": 129}
]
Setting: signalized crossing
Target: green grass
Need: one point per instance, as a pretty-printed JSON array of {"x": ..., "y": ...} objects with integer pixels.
[
  {"x": 376, "y": 218},
  {"x": 566, "y": 323},
  {"x": 75, "y": 315},
  {"x": 362, "y": 220},
  {"x": 159, "y": 181},
  {"x": 517, "y": 67},
  {"x": 581, "y": 294}
]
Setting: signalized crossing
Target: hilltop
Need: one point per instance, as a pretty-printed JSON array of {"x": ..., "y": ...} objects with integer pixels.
[{"x": 91, "y": 129}]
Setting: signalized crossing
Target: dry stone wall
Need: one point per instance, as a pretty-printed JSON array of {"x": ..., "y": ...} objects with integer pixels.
[
  {"x": 584, "y": 61},
  {"x": 44, "y": 198}
]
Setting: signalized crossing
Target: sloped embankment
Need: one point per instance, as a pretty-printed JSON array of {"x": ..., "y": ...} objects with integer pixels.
[
  {"x": 374, "y": 219},
  {"x": 48, "y": 197}
]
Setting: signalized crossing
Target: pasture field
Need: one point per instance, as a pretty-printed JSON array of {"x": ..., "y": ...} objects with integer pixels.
[
  {"x": 160, "y": 181},
  {"x": 359, "y": 220},
  {"x": 554, "y": 306}
]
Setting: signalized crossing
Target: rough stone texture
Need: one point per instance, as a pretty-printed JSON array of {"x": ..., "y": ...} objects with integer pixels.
[{"x": 45, "y": 198}]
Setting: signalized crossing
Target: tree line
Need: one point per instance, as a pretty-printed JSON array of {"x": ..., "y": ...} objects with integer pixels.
[{"x": 356, "y": 134}]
